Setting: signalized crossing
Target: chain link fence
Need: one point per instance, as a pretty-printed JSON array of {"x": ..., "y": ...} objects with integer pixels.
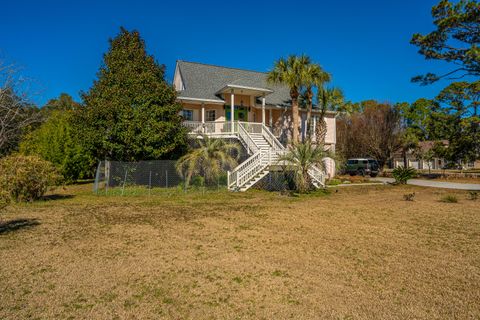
[
  {"x": 117, "y": 175},
  {"x": 121, "y": 178},
  {"x": 277, "y": 181}
]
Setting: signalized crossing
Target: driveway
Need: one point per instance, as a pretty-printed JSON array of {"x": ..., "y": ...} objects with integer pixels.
[{"x": 435, "y": 184}]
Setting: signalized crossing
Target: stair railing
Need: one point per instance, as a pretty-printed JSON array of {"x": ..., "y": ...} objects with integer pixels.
[
  {"x": 261, "y": 159},
  {"x": 244, "y": 136},
  {"x": 317, "y": 175},
  {"x": 246, "y": 170},
  {"x": 272, "y": 140}
]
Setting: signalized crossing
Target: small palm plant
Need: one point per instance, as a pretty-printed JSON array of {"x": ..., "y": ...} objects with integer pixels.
[
  {"x": 209, "y": 159},
  {"x": 300, "y": 159},
  {"x": 403, "y": 174}
]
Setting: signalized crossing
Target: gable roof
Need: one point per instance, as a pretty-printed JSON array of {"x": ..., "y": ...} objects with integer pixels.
[{"x": 203, "y": 81}]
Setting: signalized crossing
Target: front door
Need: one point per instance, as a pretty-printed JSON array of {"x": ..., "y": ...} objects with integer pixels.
[{"x": 240, "y": 113}]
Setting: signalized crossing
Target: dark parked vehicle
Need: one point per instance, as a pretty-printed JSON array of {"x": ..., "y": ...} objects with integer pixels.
[{"x": 362, "y": 167}]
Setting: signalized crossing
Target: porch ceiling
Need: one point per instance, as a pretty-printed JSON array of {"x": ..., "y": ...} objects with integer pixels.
[{"x": 238, "y": 89}]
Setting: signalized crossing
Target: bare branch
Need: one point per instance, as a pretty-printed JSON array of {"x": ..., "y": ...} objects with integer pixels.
[{"x": 16, "y": 112}]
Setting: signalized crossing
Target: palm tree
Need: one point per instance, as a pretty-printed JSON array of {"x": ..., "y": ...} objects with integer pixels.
[
  {"x": 301, "y": 158},
  {"x": 208, "y": 160},
  {"x": 313, "y": 76},
  {"x": 290, "y": 72},
  {"x": 328, "y": 99}
]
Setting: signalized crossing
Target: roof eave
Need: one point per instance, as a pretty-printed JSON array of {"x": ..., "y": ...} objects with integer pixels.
[
  {"x": 234, "y": 86},
  {"x": 201, "y": 100}
]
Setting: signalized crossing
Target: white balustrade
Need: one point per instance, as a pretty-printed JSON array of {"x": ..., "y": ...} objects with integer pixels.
[{"x": 260, "y": 160}]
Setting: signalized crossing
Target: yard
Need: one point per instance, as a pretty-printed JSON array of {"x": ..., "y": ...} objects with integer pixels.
[{"x": 359, "y": 253}]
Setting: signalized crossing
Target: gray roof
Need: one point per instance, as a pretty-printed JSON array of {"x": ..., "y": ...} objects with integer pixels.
[{"x": 202, "y": 81}]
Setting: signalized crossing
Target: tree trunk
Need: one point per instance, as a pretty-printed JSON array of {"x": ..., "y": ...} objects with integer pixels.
[
  {"x": 404, "y": 154},
  {"x": 295, "y": 139},
  {"x": 308, "y": 128},
  {"x": 309, "y": 116}
]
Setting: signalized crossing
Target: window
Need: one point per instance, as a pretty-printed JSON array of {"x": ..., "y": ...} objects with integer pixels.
[
  {"x": 188, "y": 115},
  {"x": 210, "y": 115}
]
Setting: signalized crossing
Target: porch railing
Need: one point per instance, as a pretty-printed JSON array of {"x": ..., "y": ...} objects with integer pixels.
[
  {"x": 211, "y": 128},
  {"x": 261, "y": 159},
  {"x": 223, "y": 127}
]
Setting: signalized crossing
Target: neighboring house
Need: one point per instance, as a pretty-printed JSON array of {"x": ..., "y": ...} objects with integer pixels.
[
  {"x": 415, "y": 160},
  {"x": 235, "y": 103}
]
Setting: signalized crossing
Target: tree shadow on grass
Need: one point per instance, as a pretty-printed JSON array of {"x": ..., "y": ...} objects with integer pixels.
[
  {"x": 17, "y": 224},
  {"x": 51, "y": 197}
]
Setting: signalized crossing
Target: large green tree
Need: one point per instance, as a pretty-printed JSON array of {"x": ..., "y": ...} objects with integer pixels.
[
  {"x": 454, "y": 117},
  {"x": 130, "y": 113},
  {"x": 455, "y": 40},
  {"x": 57, "y": 141},
  {"x": 64, "y": 102}
]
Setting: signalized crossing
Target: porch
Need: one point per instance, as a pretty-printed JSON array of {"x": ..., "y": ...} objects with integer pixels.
[{"x": 223, "y": 129}]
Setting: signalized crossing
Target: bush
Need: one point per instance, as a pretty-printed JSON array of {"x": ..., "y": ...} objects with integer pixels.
[
  {"x": 402, "y": 174},
  {"x": 26, "y": 178},
  {"x": 56, "y": 141},
  {"x": 198, "y": 181},
  {"x": 449, "y": 198},
  {"x": 334, "y": 182}
]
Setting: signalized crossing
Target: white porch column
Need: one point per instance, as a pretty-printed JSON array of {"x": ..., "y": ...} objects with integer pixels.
[
  {"x": 263, "y": 109},
  {"x": 203, "y": 117},
  {"x": 232, "y": 110},
  {"x": 271, "y": 119},
  {"x": 314, "y": 130}
]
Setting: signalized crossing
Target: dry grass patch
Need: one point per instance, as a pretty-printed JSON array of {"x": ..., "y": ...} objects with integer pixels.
[{"x": 361, "y": 252}]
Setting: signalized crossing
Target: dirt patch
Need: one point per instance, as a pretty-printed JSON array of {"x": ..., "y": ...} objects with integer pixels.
[{"x": 361, "y": 252}]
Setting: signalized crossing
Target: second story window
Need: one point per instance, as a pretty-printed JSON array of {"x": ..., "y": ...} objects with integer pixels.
[
  {"x": 210, "y": 115},
  {"x": 187, "y": 115}
]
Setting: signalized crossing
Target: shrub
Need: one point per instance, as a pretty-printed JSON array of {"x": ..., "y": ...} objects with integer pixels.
[
  {"x": 402, "y": 174},
  {"x": 198, "y": 181},
  {"x": 449, "y": 198},
  {"x": 334, "y": 182},
  {"x": 26, "y": 178},
  {"x": 57, "y": 141},
  {"x": 409, "y": 196},
  {"x": 472, "y": 195}
]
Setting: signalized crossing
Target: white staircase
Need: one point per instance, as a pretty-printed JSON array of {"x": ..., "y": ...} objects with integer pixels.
[{"x": 265, "y": 151}]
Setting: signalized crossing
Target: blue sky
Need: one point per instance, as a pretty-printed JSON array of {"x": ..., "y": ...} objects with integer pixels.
[{"x": 363, "y": 44}]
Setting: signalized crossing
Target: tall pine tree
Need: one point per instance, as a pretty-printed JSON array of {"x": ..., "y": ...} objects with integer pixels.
[{"x": 131, "y": 113}]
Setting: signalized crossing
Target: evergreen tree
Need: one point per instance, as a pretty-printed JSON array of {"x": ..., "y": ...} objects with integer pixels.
[
  {"x": 131, "y": 113},
  {"x": 57, "y": 142},
  {"x": 454, "y": 117},
  {"x": 455, "y": 40}
]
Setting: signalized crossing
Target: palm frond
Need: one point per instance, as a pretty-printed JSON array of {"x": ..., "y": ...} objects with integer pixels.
[
  {"x": 301, "y": 158},
  {"x": 209, "y": 159}
]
